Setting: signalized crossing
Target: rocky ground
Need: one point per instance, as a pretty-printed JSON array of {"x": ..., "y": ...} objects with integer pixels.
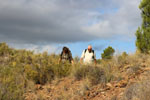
[{"x": 71, "y": 89}]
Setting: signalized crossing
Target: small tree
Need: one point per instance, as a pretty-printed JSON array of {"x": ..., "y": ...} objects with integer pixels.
[
  {"x": 124, "y": 54},
  {"x": 143, "y": 32},
  {"x": 108, "y": 53}
]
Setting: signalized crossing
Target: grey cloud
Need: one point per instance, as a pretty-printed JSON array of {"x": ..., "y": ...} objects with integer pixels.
[
  {"x": 99, "y": 47},
  {"x": 27, "y": 21},
  {"x": 60, "y": 21}
]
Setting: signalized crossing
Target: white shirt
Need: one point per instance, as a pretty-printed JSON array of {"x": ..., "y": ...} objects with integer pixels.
[{"x": 88, "y": 56}]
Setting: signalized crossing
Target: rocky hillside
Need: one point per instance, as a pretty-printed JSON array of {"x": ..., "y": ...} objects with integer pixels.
[
  {"x": 133, "y": 85},
  {"x": 25, "y": 75}
]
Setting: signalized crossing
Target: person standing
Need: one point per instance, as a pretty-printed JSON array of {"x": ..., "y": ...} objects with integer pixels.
[{"x": 88, "y": 56}]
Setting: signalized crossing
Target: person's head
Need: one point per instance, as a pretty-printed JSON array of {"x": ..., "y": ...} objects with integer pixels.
[
  {"x": 65, "y": 50},
  {"x": 89, "y": 48}
]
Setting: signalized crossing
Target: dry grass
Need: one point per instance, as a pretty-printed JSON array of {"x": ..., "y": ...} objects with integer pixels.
[
  {"x": 21, "y": 69},
  {"x": 138, "y": 91},
  {"x": 95, "y": 75}
]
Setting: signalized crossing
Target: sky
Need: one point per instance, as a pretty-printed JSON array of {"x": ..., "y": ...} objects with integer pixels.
[{"x": 48, "y": 25}]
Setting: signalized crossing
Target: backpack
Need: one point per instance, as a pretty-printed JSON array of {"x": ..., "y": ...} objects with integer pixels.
[{"x": 91, "y": 51}]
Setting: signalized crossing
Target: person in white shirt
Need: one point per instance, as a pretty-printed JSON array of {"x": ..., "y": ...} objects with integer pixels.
[{"x": 88, "y": 56}]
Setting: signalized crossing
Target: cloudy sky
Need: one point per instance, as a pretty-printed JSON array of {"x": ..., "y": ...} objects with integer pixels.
[{"x": 47, "y": 25}]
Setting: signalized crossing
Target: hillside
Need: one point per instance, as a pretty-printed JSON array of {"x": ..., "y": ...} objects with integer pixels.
[
  {"x": 133, "y": 85},
  {"x": 25, "y": 75}
]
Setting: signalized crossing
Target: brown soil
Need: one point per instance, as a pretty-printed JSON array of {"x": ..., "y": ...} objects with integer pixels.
[{"x": 71, "y": 89}]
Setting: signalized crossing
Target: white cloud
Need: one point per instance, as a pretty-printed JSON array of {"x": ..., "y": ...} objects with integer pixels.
[
  {"x": 49, "y": 49},
  {"x": 124, "y": 21},
  {"x": 37, "y": 48}
]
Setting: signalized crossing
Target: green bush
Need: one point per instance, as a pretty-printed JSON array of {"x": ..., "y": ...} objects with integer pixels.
[
  {"x": 108, "y": 53},
  {"x": 62, "y": 70},
  {"x": 12, "y": 84},
  {"x": 123, "y": 58},
  {"x": 44, "y": 74},
  {"x": 18, "y": 67},
  {"x": 36, "y": 67},
  {"x": 4, "y": 49}
]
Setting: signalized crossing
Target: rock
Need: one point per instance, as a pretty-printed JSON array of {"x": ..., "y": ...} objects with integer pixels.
[
  {"x": 48, "y": 97},
  {"x": 109, "y": 84},
  {"x": 49, "y": 90},
  {"x": 114, "y": 97},
  {"x": 123, "y": 84},
  {"x": 108, "y": 88},
  {"x": 39, "y": 87},
  {"x": 143, "y": 65},
  {"x": 30, "y": 91}
]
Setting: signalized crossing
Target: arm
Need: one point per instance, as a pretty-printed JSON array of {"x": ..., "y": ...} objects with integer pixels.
[
  {"x": 59, "y": 61},
  {"x": 70, "y": 54},
  {"x": 82, "y": 57},
  {"x": 95, "y": 62},
  {"x": 72, "y": 61}
]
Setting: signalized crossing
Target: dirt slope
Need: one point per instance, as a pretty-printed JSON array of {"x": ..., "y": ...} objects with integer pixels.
[{"x": 70, "y": 89}]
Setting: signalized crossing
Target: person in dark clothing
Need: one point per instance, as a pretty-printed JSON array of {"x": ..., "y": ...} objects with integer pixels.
[{"x": 66, "y": 56}]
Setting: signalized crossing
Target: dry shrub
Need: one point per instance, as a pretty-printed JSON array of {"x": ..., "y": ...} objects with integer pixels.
[
  {"x": 133, "y": 69},
  {"x": 138, "y": 91},
  {"x": 39, "y": 75},
  {"x": 95, "y": 75},
  {"x": 12, "y": 84},
  {"x": 18, "y": 67},
  {"x": 62, "y": 70},
  {"x": 111, "y": 70}
]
